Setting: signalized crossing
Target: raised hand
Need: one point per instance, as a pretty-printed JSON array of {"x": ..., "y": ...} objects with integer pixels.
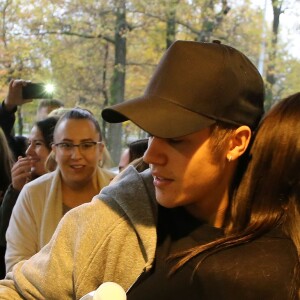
[
  {"x": 21, "y": 172},
  {"x": 14, "y": 96}
]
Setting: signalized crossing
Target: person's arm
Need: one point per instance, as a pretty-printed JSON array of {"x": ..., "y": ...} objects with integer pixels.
[
  {"x": 9, "y": 105},
  {"x": 7, "y": 120},
  {"x": 8, "y": 109}
]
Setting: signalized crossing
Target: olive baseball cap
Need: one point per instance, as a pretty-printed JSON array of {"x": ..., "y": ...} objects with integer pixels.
[{"x": 194, "y": 85}]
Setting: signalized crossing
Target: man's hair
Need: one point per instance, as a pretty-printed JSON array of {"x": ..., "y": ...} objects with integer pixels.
[
  {"x": 219, "y": 137},
  {"x": 50, "y": 103}
]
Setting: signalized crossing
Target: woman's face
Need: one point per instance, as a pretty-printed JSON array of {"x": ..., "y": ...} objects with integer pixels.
[
  {"x": 78, "y": 165},
  {"x": 37, "y": 152}
]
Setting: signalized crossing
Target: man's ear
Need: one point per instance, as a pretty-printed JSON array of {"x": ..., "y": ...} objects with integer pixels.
[{"x": 239, "y": 142}]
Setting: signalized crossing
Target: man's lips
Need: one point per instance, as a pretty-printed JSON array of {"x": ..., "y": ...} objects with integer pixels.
[{"x": 161, "y": 181}]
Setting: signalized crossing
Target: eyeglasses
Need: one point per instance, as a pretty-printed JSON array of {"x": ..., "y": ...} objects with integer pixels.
[{"x": 84, "y": 147}]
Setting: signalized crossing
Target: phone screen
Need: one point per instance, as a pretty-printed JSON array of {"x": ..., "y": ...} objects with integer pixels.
[{"x": 36, "y": 91}]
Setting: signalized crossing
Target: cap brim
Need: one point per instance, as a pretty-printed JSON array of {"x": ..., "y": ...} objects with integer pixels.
[{"x": 157, "y": 116}]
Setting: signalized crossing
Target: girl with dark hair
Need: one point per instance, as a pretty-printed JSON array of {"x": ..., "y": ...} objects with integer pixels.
[
  {"x": 266, "y": 206},
  {"x": 135, "y": 150},
  {"x": 24, "y": 170},
  {"x": 77, "y": 149}
]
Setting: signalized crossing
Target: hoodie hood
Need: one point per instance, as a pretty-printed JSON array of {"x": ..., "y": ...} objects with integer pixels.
[{"x": 134, "y": 193}]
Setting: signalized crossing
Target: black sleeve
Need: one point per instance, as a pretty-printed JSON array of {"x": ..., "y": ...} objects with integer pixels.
[
  {"x": 7, "y": 120},
  {"x": 6, "y": 208},
  {"x": 17, "y": 144}
]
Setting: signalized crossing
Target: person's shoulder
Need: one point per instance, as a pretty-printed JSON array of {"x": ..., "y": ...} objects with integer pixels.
[
  {"x": 273, "y": 237},
  {"x": 129, "y": 190},
  {"x": 276, "y": 246},
  {"x": 132, "y": 180},
  {"x": 41, "y": 180},
  {"x": 259, "y": 269},
  {"x": 272, "y": 253}
]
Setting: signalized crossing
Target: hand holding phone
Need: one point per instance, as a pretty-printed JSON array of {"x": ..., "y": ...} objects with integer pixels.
[{"x": 14, "y": 94}]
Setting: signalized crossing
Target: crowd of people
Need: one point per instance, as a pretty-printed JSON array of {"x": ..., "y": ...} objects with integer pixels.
[{"x": 207, "y": 207}]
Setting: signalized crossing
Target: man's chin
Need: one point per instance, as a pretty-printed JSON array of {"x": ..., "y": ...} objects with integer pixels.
[{"x": 166, "y": 202}]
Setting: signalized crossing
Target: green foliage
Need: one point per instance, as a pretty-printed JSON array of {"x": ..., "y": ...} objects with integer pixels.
[{"x": 72, "y": 43}]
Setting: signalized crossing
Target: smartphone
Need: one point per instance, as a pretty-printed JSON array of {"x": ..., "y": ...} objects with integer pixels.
[{"x": 36, "y": 91}]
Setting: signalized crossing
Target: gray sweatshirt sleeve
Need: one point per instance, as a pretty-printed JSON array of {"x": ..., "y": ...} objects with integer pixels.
[{"x": 88, "y": 247}]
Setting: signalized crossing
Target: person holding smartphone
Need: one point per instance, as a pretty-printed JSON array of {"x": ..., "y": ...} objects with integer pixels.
[{"x": 21, "y": 92}]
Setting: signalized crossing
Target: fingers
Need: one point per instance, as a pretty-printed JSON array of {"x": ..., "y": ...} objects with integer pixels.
[
  {"x": 16, "y": 82},
  {"x": 14, "y": 96},
  {"x": 21, "y": 173}
]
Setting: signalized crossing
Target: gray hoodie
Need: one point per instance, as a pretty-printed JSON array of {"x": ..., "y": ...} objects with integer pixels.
[{"x": 112, "y": 238}]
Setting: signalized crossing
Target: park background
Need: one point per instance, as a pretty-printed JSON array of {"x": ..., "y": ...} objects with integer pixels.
[{"x": 98, "y": 53}]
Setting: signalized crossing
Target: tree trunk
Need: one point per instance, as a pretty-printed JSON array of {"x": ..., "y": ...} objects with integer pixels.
[
  {"x": 270, "y": 74},
  {"x": 114, "y": 138},
  {"x": 211, "y": 21},
  {"x": 104, "y": 87},
  {"x": 171, "y": 23}
]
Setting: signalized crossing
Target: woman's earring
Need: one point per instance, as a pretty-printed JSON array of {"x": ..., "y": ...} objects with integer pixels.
[{"x": 229, "y": 158}]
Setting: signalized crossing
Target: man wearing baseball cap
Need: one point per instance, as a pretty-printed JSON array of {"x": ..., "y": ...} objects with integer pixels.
[{"x": 199, "y": 108}]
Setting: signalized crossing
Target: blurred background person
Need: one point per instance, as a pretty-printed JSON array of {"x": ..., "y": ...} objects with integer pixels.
[
  {"x": 77, "y": 150},
  {"x": 133, "y": 151},
  {"x": 46, "y": 106}
]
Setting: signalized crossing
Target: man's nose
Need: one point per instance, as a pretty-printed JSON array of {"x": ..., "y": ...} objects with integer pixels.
[{"x": 156, "y": 152}]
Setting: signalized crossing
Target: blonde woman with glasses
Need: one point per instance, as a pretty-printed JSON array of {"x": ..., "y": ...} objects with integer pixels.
[{"x": 77, "y": 149}]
